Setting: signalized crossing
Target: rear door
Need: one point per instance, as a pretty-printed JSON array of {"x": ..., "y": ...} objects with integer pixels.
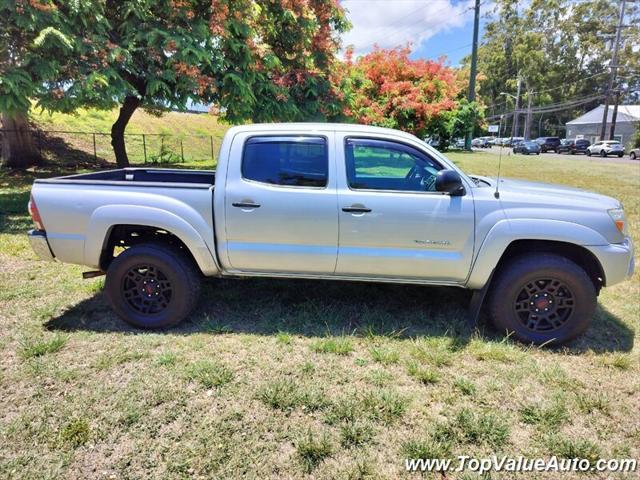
[
  {"x": 281, "y": 204},
  {"x": 392, "y": 221}
]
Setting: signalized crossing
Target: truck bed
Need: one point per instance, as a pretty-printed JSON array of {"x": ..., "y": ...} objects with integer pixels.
[{"x": 140, "y": 176}]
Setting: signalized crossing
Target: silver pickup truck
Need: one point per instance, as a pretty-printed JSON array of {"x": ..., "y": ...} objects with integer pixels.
[{"x": 343, "y": 202}]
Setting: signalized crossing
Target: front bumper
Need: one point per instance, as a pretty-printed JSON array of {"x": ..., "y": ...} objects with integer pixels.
[
  {"x": 617, "y": 261},
  {"x": 40, "y": 245}
]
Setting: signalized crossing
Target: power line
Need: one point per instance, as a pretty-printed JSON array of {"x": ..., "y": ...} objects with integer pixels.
[{"x": 553, "y": 107}]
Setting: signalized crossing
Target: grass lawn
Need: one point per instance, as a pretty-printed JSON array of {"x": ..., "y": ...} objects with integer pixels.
[{"x": 286, "y": 379}]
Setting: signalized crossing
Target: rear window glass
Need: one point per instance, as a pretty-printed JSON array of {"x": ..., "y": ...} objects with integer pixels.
[{"x": 296, "y": 161}]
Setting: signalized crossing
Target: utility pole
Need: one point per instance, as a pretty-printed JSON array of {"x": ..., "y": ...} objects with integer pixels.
[
  {"x": 516, "y": 111},
  {"x": 614, "y": 116},
  {"x": 527, "y": 122},
  {"x": 474, "y": 68},
  {"x": 612, "y": 75}
]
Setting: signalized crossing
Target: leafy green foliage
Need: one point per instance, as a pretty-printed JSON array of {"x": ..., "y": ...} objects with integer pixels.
[
  {"x": 560, "y": 48},
  {"x": 257, "y": 60}
]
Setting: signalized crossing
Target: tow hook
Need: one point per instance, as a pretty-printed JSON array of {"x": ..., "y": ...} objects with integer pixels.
[{"x": 93, "y": 274}]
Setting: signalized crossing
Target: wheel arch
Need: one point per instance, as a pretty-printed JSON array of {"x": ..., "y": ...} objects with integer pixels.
[
  {"x": 112, "y": 227},
  {"x": 576, "y": 253},
  {"x": 509, "y": 238}
]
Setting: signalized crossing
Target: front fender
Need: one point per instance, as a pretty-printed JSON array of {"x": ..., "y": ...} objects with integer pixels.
[
  {"x": 106, "y": 217},
  {"x": 504, "y": 232}
]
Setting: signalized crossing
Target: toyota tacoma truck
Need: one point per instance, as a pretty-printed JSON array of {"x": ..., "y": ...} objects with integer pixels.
[{"x": 341, "y": 202}]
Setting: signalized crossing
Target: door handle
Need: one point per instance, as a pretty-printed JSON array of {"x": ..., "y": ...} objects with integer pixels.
[
  {"x": 356, "y": 209},
  {"x": 246, "y": 205}
]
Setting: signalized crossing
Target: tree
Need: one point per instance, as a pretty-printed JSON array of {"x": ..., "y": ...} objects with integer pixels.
[
  {"x": 32, "y": 47},
  {"x": 559, "y": 48},
  {"x": 423, "y": 97},
  {"x": 257, "y": 60},
  {"x": 387, "y": 88}
]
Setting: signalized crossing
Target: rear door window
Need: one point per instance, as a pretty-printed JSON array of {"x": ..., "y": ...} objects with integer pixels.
[{"x": 291, "y": 161}]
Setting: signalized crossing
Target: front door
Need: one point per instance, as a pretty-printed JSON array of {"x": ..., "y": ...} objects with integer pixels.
[
  {"x": 393, "y": 223},
  {"x": 281, "y": 204}
]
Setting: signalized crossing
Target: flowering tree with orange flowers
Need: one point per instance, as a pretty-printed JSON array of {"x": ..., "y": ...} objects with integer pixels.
[
  {"x": 259, "y": 60},
  {"x": 387, "y": 88}
]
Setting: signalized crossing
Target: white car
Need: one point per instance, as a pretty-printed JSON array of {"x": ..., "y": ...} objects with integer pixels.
[{"x": 605, "y": 148}]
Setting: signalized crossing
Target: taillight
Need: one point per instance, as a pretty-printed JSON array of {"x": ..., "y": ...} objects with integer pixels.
[{"x": 35, "y": 214}]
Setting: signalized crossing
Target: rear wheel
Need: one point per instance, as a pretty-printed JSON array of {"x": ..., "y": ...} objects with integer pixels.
[
  {"x": 632, "y": 155},
  {"x": 152, "y": 285},
  {"x": 620, "y": 155},
  {"x": 542, "y": 298}
]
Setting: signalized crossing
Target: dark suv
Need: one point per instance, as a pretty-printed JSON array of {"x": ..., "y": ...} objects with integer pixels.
[
  {"x": 573, "y": 146},
  {"x": 548, "y": 144}
]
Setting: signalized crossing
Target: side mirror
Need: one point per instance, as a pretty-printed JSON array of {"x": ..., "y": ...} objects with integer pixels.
[{"x": 449, "y": 181}]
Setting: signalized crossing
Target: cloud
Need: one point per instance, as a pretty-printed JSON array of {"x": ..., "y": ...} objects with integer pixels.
[{"x": 389, "y": 23}]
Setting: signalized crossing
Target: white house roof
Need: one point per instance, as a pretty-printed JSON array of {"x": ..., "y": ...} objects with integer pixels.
[{"x": 626, "y": 113}]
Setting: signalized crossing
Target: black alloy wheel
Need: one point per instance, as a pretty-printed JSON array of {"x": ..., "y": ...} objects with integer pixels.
[
  {"x": 146, "y": 289},
  {"x": 544, "y": 305},
  {"x": 542, "y": 298},
  {"x": 153, "y": 285}
]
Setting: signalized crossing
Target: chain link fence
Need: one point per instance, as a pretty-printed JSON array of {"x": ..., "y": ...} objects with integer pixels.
[{"x": 142, "y": 148}]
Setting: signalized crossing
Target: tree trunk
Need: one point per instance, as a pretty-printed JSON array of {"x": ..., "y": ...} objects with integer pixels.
[
  {"x": 117, "y": 130},
  {"x": 18, "y": 146}
]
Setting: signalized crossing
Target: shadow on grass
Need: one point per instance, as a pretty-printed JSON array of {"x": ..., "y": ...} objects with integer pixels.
[{"x": 323, "y": 308}]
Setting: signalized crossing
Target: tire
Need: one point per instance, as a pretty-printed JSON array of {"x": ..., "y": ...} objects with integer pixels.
[
  {"x": 632, "y": 155},
  {"x": 603, "y": 153},
  {"x": 537, "y": 153},
  {"x": 620, "y": 155},
  {"x": 543, "y": 281},
  {"x": 169, "y": 277},
  {"x": 588, "y": 152}
]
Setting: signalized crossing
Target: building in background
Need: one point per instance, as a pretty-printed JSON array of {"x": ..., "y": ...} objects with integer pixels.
[{"x": 588, "y": 125}]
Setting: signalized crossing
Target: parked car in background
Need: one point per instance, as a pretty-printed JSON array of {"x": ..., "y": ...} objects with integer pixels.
[
  {"x": 573, "y": 146},
  {"x": 527, "y": 147},
  {"x": 337, "y": 201},
  {"x": 459, "y": 143},
  {"x": 433, "y": 142},
  {"x": 481, "y": 142},
  {"x": 605, "y": 148},
  {"x": 511, "y": 141},
  {"x": 548, "y": 144},
  {"x": 635, "y": 153}
]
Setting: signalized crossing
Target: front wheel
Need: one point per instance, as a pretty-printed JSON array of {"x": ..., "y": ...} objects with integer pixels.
[
  {"x": 632, "y": 155},
  {"x": 588, "y": 152},
  {"x": 152, "y": 285},
  {"x": 542, "y": 299},
  {"x": 603, "y": 153}
]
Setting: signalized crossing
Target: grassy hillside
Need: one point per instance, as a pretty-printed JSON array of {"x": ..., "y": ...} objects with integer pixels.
[{"x": 163, "y": 135}]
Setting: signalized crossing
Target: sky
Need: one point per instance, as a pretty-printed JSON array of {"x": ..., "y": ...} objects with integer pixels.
[{"x": 434, "y": 27}]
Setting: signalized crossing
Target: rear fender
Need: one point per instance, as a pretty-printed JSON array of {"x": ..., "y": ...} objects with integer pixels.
[{"x": 105, "y": 218}]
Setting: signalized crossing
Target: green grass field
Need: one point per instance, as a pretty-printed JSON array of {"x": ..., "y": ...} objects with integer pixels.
[{"x": 290, "y": 379}]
